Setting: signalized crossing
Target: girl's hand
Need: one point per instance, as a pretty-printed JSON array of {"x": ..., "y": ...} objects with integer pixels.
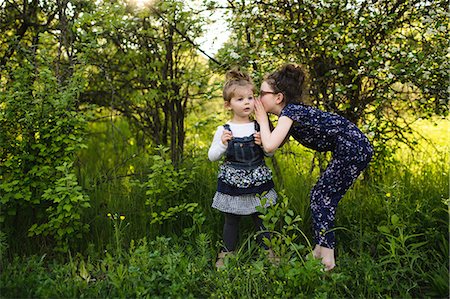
[
  {"x": 260, "y": 113},
  {"x": 226, "y": 136},
  {"x": 257, "y": 137}
]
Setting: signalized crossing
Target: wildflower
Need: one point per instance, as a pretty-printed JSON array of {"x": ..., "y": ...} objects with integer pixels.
[
  {"x": 109, "y": 215},
  {"x": 122, "y": 217},
  {"x": 388, "y": 194}
]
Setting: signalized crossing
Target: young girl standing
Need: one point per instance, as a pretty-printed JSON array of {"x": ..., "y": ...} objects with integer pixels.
[
  {"x": 280, "y": 94},
  {"x": 243, "y": 175}
]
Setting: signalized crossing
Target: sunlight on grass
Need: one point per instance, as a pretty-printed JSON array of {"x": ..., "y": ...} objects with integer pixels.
[
  {"x": 437, "y": 130},
  {"x": 433, "y": 144}
]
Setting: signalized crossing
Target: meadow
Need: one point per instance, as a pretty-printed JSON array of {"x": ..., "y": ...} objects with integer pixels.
[
  {"x": 92, "y": 206},
  {"x": 153, "y": 233}
]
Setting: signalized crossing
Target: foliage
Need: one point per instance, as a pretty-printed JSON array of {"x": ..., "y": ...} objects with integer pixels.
[
  {"x": 156, "y": 269},
  {"x": 400, "y": 267},
  {"x": 165, "y": 184},
  {"x": 144, "y": 64},
  {"x": 375, "y": 62},
  {"x": 281, "y": 221},
  {"x": 41, "y": 133},
  {"x": 165, "y": 188},
  {"x": 67, "y": 202},
  {"x": 381, "y": 64},
  {"x": 3, "y": 247}
]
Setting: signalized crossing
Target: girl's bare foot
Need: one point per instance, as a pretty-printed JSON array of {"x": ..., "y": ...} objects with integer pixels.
[
  {"x": 328, "y": 260},
  {"x": 316, "y": 252}
]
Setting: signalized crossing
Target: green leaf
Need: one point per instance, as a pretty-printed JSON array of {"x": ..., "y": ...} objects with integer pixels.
[
  {"x": 395, "y": 220},
  {"x": 288, "y": 219},
  {"x": 384, "y": 229}
]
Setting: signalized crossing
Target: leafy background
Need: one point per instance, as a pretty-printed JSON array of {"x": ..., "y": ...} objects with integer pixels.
[{"x": 107, "y": 110}]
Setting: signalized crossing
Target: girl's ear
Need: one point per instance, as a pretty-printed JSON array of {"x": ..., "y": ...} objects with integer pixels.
[
  {"x": 227, "y": 105},
  {"x": 279, "y": 99}
]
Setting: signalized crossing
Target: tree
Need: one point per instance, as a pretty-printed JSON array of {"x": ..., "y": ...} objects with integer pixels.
[
  {"x": 375, "y": 62},
  {"x": 144, "y": 65},
  {"x": 56, "y": 57}
]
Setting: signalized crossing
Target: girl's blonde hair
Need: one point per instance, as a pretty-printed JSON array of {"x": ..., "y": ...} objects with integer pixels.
[{"x": 235, "y": 78}]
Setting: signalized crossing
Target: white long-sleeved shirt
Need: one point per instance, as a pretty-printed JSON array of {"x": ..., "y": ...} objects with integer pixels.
[{"x": 217, "y": 148}]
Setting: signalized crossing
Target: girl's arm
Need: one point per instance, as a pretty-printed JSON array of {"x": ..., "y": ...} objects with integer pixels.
[
  {"x": 271, "y": 140},
  {"x": 217, "y": 148},
  {"x": 258, "y": 142}
]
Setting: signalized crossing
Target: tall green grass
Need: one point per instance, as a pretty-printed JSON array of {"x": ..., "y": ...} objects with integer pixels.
[{"x": 391, "y": 228}]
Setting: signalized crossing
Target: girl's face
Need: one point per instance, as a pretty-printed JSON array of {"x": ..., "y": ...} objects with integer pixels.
[
  {"x": 242, "y": 103},
  {"x": 269, "y": 98}
]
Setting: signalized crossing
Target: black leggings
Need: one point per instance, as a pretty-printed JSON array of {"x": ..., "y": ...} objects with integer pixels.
[{"x": 231, "y": 231}]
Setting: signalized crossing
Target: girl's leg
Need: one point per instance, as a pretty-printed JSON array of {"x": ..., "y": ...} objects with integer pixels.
[
  {"x": 230, "y": 231},
  {"x": 259, "y": 226},
  {"x": 325, "y": 196},
  {"x": 260, "y": 238},
  {"x": 230, "y": 237}
]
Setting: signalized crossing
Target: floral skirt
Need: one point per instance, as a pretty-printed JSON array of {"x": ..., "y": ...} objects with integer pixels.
[
  {"x": 242, "y": 204},
  {"x": 243, "y": 177}
]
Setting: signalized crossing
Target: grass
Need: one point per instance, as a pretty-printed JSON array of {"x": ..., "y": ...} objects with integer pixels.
[{"x": 392, "y": 231}]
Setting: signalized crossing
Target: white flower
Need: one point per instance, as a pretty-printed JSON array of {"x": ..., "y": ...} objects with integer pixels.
[
  {"x": 351, "y": 46},
  {"x": 234, "y": 55}
]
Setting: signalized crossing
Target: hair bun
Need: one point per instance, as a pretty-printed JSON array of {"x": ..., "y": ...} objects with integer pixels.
[
  {"x": 291, "y": 81},
  {"x": 292, "y": 71},
  {"x": 236, "y": 74},
  {"x": 236, "y": 78}
]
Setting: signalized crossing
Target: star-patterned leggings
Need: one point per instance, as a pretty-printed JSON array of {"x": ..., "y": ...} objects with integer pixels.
[{"x": 337, "y": 178}]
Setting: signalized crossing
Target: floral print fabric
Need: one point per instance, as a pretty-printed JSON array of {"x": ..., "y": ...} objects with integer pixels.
[
  {"x": 244, "y": 178},
  {"x": 352, "y": 152}
]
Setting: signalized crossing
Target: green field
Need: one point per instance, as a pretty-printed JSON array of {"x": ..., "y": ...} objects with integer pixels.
[{"x": 153, "y": 234}]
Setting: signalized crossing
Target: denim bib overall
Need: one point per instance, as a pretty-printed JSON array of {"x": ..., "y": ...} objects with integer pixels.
[{"x": 244, "y": 170}]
